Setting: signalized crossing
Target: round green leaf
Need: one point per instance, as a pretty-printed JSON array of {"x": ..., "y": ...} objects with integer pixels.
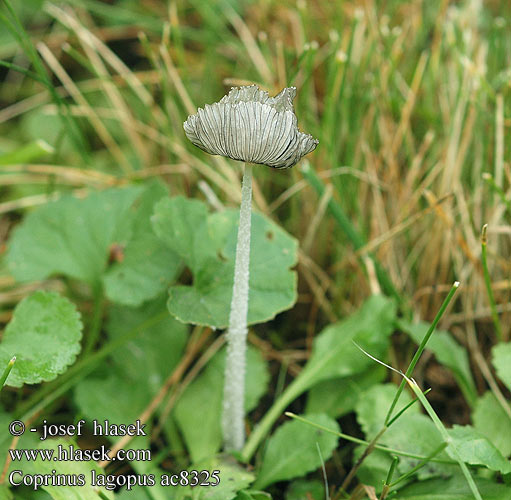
[
  {"x": 148, "y": 266},
  {"x": 71, "y": 236},
  {"x": 208, "y": 247},
  {"x": 44, "y": 335}
]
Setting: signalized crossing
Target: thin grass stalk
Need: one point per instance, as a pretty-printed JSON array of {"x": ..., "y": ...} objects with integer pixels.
[
  {"x": 386, "y": 486},
  {"x": 487, "y": 281},
  {"x": 447, "y": 439},
  {"x": 355, "y": 440},
  {"x": 491, "y": 182},
  {"x": 412, "y": 471},
  {"x": 351, "y": 232},
  {"x": 400, "y": 412},
  {"x": 17, "y": 30},
  {"x": 234, "y": 385},
  {"x": 7, "y": 371},
  {"x": 421, "y": 348}
]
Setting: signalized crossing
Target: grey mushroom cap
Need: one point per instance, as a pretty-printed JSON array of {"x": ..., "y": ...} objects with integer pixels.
[{"x": 250, "y": 126}]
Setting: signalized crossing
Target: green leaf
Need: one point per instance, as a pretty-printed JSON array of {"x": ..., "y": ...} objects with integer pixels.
[
  {"x": 148, "y": 265},
  {"x": 475, "y": 449},
  {"x": 335, "y": 355},
  {"x": 69, "y": 468},
  {"x": 177, "y": 222},
  {"x": 448, "y": 352},
  {"x": 120, "y": 400},
  {"x": 337, "y": 397},
  {"x": 232, "y": 480},
  {"x": 373, "y": 404},
  {"x": 44, "y": 335},
  {"x": 455, "y": 488},
  {"x": 104, "y": 399},
  {"x": 156, "y": 351},
  {"x": 306, "y": 490},
  {"x": 417, "y": 434},
  {"x": 142, "y": 364},
  {"x": 71, "y": 236},
  {"x": 253, "y": 495},
  {"x": 491, "y": 420},
  {"x": 413, "y": 432},
  {"x": 502, "y": 362},
  {"x": 5, "y": 493},
  {"x": 207, "y": 243},
  {"x": 292, "y": 451},
  {"x": 100, "y": 398},
  {"x": 202, "y": 431}
]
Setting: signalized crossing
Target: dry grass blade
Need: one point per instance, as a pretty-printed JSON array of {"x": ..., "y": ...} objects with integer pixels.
[
  {"x": 87, "y": 39},
  {"x": 250, "y": 44},
  {"x": 73, "y": 91}
]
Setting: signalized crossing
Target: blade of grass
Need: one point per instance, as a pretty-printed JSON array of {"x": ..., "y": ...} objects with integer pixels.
[
  {"x": 6, "y": 372},
  {"x": 447, "y": 439},
  {"x": 355, "y": 440},
  {"x": 491, "y": 182},
  {"x": 433, "y": 454},
  {"x": 18, "y": 31},
  {"x": 323, "y": 470},
  {"x": 351, "y": 232},
  {"x": 23, "y": 71},
  {"x": 390, "y": 474},
  {"x": 487, "y": 282},
  {"x": 78, "y": 97},
  {"x": 27, "y": 153},
  {"x": 421, "y": 348},
  {"x": 99, "y": 69},
  {"x": 400, "y": 412}
]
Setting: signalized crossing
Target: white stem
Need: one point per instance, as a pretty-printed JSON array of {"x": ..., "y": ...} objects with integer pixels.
[{"x": 234, "y": 385}]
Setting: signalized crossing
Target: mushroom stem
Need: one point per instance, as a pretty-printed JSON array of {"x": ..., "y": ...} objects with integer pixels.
[{"x": 234, "y": 384}]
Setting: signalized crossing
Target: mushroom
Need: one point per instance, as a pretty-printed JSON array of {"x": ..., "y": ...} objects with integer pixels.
[{"x": 249, "y": 126}]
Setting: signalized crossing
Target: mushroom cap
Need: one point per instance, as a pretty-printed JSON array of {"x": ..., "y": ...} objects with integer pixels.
[{"x": 248, "y": 125}]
